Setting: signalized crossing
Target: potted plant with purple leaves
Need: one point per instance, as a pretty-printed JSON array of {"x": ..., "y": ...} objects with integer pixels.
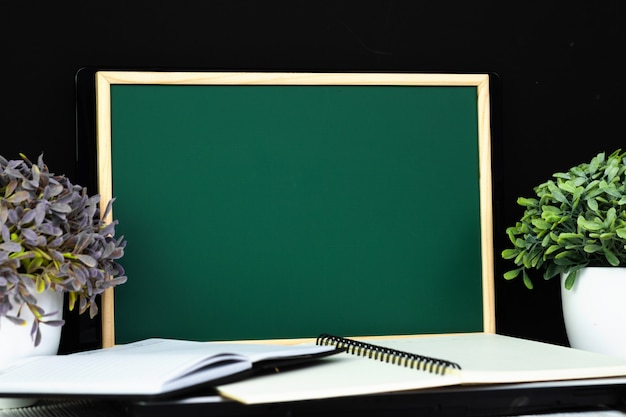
[{"x": 53, "y": 242}]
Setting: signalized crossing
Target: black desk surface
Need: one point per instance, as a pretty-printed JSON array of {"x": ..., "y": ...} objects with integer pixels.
[{"x": 467, "y": 403}]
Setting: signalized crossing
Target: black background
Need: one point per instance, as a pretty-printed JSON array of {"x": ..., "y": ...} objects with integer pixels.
[{"x": 561, "y": 96}]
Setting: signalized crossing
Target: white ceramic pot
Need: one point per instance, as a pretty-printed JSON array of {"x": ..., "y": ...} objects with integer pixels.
[
  {"x": 16, "y": 342},
  {"x": 595, "y": 310}
]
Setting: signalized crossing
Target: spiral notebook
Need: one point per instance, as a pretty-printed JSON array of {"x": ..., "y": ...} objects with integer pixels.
[
  {"x": 414, "y": 363},
  {"x": 389, "y": 355}
]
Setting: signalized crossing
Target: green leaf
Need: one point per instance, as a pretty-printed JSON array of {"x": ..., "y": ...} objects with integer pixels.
[
  {"x": 611, "y": 258},
  {"x": 591, "y": 186},
  {"x": 72, "y": 300},
  {"x": 512, "y": 274},
  {"x": 609, "y": 189},
  {"x": 611, "y": 170},
  {"x": 590, "y": 225},
  {"x": 578, "y": 171},
  {"x": 610, "y": 217},
  {"x": 552, "y": 249},
  {"x": 34, "y": 265},
  {"x": 551, "y": 209},
  {"x": 564, "y": 238},
  {"x": 551, "y": 218},
  {"x": 567, "y": 186},
  {"x": 520, "y": 243},
  {"x": 527, "y": 282},
  {"x": 564, "y": 254},
  {"x": 576, "y": 196},
  {"x": 524, "y": 228},
  {"x": 606, "y": 236},
  {"x": 594, "y": 164},
  {"x": 536, "y": 259},
  {"x": 564, "y": 175},
  {"x": 564, "y": 261},
  {"x": 40, "y": 283},
  {"x": 551, "y": 271},
  {"x": 510, "y": 253},
  {"x": 527, "y": 202},
  {"x": 510, "y": 231},
  {"x": 556, "y": 193},
  {"x": 570, "y": 279},
  {"x": 541, "y": 224},
  {"x": 592, "y": 248}
]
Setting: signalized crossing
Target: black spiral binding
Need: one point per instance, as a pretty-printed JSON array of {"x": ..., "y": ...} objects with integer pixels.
[{"x": 396, "y": 357}]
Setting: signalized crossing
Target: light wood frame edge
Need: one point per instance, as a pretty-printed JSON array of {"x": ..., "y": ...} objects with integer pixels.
[{"x": 104, "y": 80}]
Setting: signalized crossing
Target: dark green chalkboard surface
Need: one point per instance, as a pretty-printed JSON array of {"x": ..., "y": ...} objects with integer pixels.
[{"x": 282, "y": 208}]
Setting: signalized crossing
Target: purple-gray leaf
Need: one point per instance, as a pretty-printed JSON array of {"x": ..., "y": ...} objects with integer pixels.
[
  {"x": 61, "y": 208},
  {"x": 50, "y": 226},
  {"x": 11, "y": 247},
  {"x": 18, "y": 197},
  {"x": 54, "y": 323},
  {"x": 29, "y": 235},
  {"x": 16, "y": 320}
]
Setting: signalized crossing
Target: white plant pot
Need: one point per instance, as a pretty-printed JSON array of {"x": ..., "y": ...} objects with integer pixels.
[
  {"x": 595, "y": 310},
  {"x": 16, "y": 342}
]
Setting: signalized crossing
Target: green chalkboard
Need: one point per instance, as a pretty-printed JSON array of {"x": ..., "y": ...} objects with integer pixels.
[{"x": 269, "y": 210}]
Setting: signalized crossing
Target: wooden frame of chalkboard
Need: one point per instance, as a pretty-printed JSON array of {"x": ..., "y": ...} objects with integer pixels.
[{"x": 284, "y": 205}]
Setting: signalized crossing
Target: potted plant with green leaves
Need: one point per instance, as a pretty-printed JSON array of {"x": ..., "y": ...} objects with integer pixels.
[
  {"x": 575, "y": 227},
  {"x": 53, "y": 242}
]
